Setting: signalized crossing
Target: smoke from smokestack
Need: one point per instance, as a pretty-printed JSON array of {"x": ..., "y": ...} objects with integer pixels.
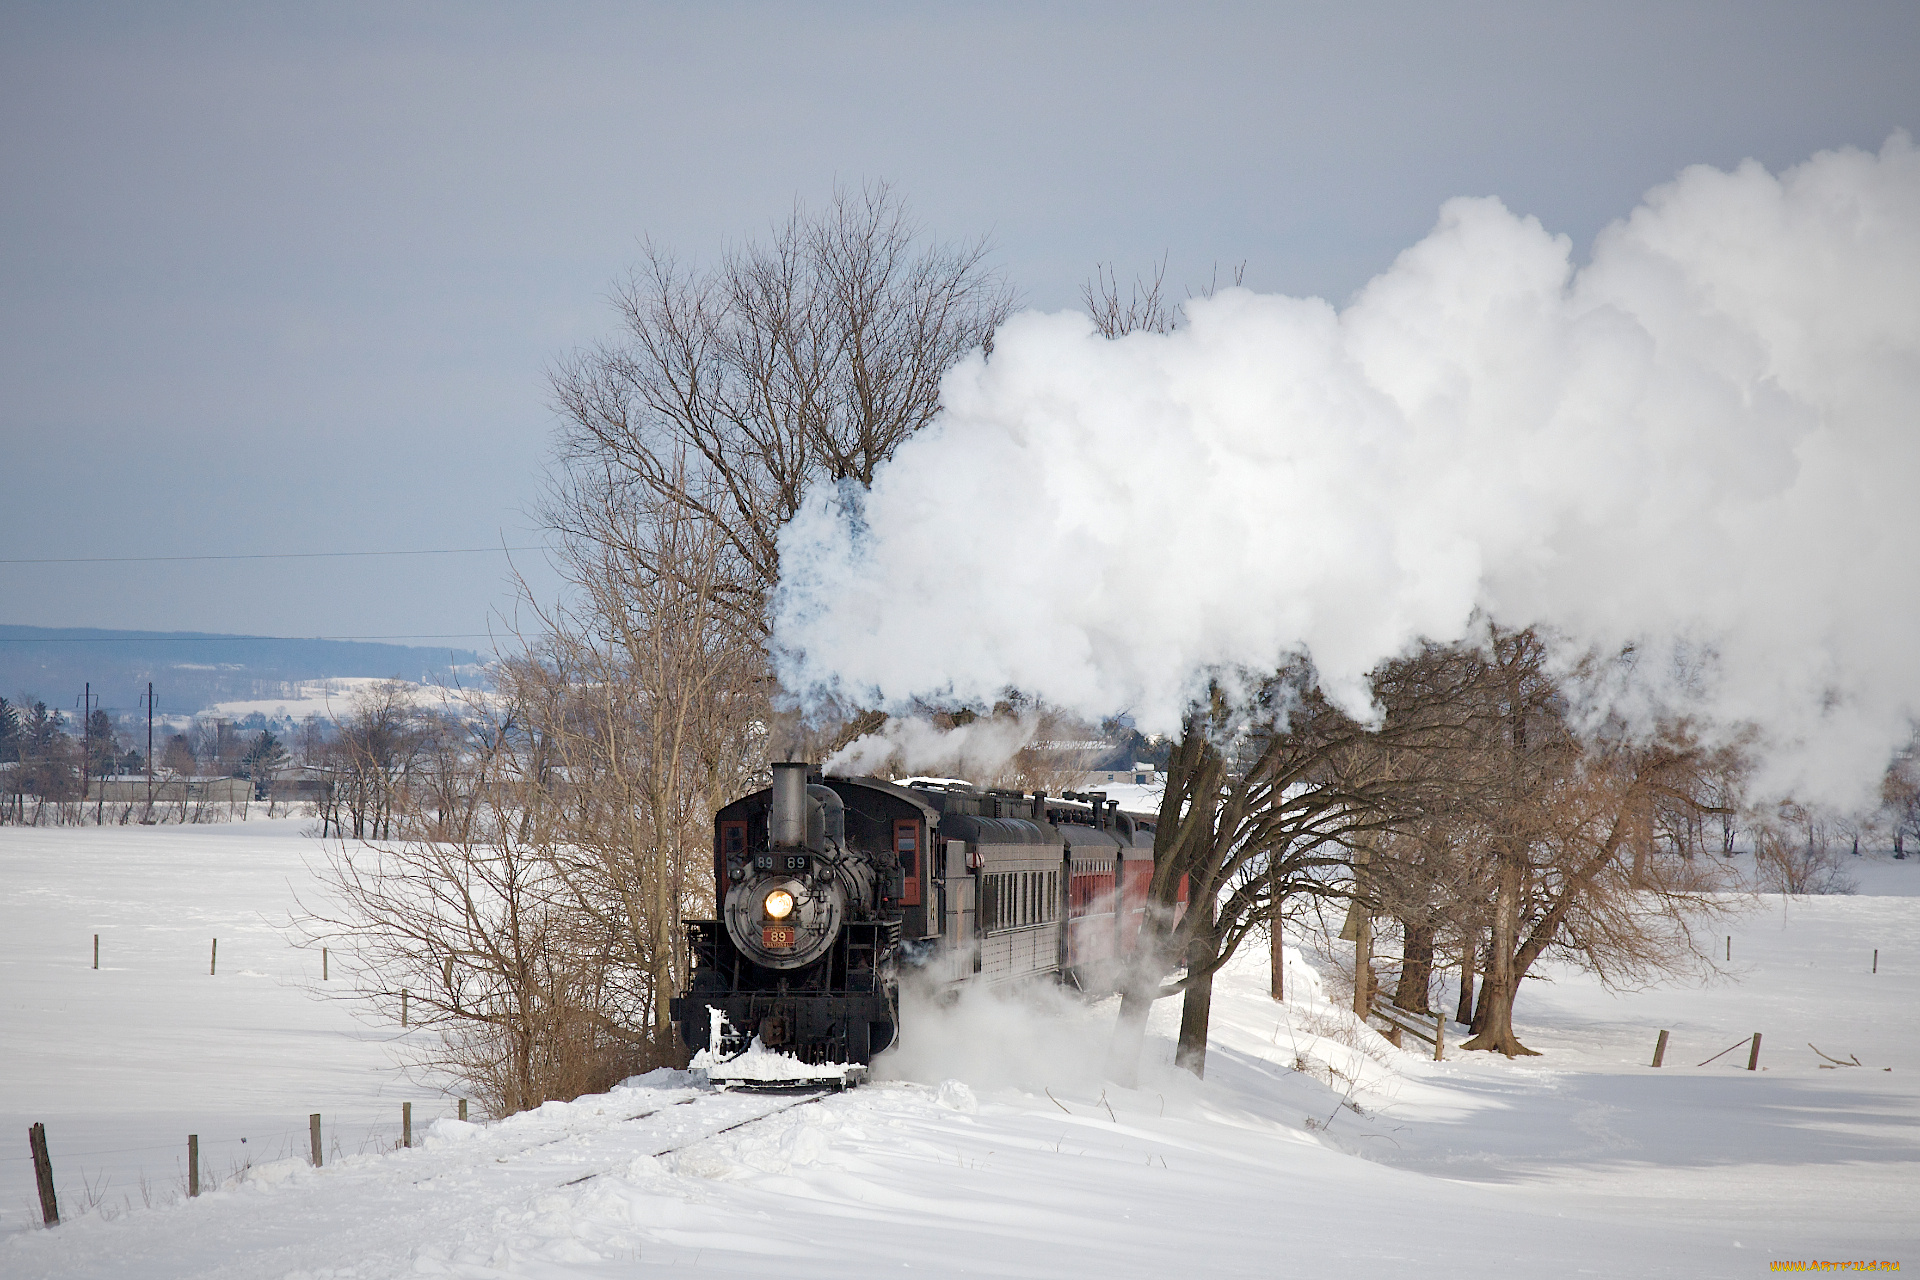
[
  {"x": 978, "y": 749},
  {"x": 1704, "y": 442}
]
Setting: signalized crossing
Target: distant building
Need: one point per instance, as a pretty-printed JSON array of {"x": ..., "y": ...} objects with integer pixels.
[
  {"x": 130, "y": 788},
  {"x": 1142, "y": 774}
]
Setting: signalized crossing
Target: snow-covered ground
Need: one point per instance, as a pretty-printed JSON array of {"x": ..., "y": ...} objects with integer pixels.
[
  {"x": 1312, "y": 1148},
  {"x": 123, "y": 1063}
]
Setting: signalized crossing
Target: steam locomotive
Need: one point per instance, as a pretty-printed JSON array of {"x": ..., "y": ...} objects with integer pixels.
[{"x": 829, "y": 889}]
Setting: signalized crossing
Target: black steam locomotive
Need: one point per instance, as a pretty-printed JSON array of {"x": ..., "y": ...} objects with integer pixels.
[{"x": 828, "y": 888}]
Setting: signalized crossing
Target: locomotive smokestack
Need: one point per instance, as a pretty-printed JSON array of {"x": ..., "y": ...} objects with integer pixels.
[{"x": 787, "y": 824}]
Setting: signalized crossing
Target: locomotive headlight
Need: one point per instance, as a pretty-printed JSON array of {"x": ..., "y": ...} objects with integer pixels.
[{"x": 778, "y": 905}]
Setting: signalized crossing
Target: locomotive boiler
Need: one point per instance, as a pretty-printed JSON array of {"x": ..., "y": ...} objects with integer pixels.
[{"x": 829, "y": 889}]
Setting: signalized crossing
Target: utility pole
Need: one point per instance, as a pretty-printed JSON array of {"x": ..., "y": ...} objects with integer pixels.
[
  {"x": 149, "y": 749},
  {"x": 86, "y": 747}
]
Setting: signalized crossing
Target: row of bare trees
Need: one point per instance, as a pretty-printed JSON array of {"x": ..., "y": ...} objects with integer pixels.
[
  {"x": 1473, "y": 815},
  {"x": 1475, "y": 821}
]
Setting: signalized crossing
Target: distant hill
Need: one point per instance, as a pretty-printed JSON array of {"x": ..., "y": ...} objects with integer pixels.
[{"x": 191, "y": 670}]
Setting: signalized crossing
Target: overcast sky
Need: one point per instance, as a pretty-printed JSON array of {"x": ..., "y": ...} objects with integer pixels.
[{"x": 288, "y": 279}]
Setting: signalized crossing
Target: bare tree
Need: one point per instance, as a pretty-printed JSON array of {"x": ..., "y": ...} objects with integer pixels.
[
  {"x": 1263, "y": 805},
  {"x": 372, "y": 760},
  {"x": 1145, "y": 307},
  {"x": 477, "y": 931},
  {"x": 1794, "y": 853},
  {"x": 554, "y": 836},
  {"x": 1563, "y": 824},
  {"x": 1424, "y": 881},
  {"x": 808, "y": 357},
  {"x": 1900, "y": 798},
  {"x": 650, "y": 699},
  {"x": 645, "y": 700}
]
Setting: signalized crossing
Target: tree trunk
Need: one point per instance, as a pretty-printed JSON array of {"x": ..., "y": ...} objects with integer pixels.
[
  {"x": 1196, "y": 1008},
  {"x": 1495, "y": 1014},
  {"x": 1363, "y": 968},
  {"x": 1416, "y": 966},
  {"x": 1196, "y": 1005},
  {"x": 1129, "y": 1034},
  {"x": 1493, "y": 1018},
  {"x": 1140, "y": 976},
  {"x": 1277, "y": 950},
  {"x": 1469, "y": 955}
]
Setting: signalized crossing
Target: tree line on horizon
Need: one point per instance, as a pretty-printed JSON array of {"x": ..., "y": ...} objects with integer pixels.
[{"x": 349, "y": 770}]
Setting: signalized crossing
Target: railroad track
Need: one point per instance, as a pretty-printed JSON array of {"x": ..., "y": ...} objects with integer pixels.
[{"x": 814, "y": 1095}]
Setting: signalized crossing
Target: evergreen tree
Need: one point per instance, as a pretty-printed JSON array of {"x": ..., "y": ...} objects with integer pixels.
[
  {"x": 102, "y": 757},
  {"x": 41, "y": 731},
  {"x": 49, "y": 765},
  {"x": 263, "y": 762},
  {"x": 9, "y": 732}
]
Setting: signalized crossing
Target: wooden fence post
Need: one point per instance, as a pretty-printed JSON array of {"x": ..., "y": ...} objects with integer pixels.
[
  {"x": 43, "y": 1175},
  {"x": 406, "y": 1124},
  {"x": 1440, "y": 1037},
  {"x": 193, "y": 1164},
  {"x": 96, "y": 951},
  {"x": 213, "y": 958},
  {"x": 1753, "y": 1058},
  {"x": 313, "y": 1135},
  {"x": 323, "y": 964},
  {"x": 1876, "y": 955},
  {"x": 1660, "y": 1049},
  {"x": 403, "y": 1006},
  {"x": 463, "y": 1108}
]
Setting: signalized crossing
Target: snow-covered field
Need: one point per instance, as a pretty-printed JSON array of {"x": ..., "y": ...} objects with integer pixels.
[
  {"x": 1311, "y": 1148},
  {"x": 329, "y": 699}
]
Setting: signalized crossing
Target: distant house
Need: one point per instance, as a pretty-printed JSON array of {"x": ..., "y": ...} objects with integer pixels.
[
  {"x": 302, "y": 782},
  {"x": 1141, "y": 775}
]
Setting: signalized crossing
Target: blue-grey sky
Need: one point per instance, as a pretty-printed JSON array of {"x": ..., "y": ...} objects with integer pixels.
[{"x": 288, "y": 278}]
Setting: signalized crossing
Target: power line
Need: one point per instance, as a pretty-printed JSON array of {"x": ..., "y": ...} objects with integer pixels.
[
  {"x": 278, "y": 555},
  {"x": 470, "y": 635}
]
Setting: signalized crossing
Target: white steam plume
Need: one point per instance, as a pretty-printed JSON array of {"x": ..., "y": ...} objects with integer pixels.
[
  {"x": 979, "y": 749},
  {"x": 1706, "y": 441}
]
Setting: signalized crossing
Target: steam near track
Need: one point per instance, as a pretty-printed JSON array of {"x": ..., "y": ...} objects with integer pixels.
[{"x": 1701, "y": 442}]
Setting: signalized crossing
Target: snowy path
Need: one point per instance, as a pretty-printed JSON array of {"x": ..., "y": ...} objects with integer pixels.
[{"x": 1583, "y": 1161}]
